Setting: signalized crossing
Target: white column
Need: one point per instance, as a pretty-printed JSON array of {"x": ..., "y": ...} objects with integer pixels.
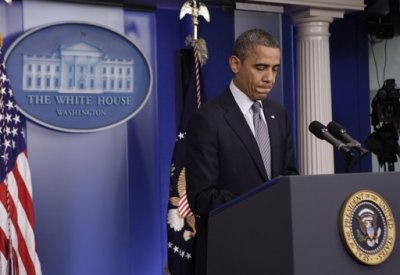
[{"x": 313, "y": 92}]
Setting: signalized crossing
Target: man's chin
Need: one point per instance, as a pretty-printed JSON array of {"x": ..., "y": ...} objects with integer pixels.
[{"x": 262, "y": 96}]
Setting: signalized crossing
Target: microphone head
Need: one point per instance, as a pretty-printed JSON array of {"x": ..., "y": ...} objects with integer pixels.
[
  {"x": 336, "y": 129},
  {"x": 317, "y": 128}
]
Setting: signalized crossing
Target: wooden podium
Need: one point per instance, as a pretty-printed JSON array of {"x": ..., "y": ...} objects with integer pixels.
[{"x": 291, "y": 226}]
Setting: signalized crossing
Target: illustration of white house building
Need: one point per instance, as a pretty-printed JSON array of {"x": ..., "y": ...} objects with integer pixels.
[{"x": 78, "y": 68}]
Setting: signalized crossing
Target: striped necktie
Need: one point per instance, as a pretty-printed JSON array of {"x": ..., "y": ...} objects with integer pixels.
[{"x": 262, "y": 137}]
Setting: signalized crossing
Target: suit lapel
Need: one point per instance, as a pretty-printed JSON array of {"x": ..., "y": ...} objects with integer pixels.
[{"x": 238, "y": 123}]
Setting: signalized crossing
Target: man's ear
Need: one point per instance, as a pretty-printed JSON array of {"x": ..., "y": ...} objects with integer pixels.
[{"x": 234, "y": 63}]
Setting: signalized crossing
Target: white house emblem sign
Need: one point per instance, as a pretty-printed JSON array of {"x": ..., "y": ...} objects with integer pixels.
[{"x": 78, "y": 77}]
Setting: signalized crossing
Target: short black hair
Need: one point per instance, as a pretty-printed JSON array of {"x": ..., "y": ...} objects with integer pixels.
[{"x": 247, "y": 40}]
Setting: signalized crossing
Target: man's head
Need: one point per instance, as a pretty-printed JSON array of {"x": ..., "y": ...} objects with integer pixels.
[{"x": 255, "y": 63}]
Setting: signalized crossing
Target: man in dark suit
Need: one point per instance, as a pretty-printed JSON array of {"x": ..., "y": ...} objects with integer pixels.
[{"x": 224, "y": 159}]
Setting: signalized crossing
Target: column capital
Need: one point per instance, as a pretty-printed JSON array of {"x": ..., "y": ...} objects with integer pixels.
[
  {"x": 313, "y": 24},
  {"x": 315, "y": 15}
]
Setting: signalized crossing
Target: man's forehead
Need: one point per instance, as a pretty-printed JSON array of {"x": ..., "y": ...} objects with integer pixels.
[{"x": 264, "y": 54}]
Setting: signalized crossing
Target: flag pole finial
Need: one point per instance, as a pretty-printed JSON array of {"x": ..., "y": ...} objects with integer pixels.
[{"x": 195, "y": 10}]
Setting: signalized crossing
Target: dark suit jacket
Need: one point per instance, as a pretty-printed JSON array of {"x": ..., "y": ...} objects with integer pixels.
[{"x": 223, "y": 159}]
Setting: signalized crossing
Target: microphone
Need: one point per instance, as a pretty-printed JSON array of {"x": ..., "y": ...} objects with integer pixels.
[
  {"x": 339, "y": 132},
  {"x": 321, "y": 132}
]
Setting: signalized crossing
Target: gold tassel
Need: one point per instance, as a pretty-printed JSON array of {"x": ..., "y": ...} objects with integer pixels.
[{"x": 200, "y": 47}]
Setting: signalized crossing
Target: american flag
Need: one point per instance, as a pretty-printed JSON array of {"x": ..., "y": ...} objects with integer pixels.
[{"x": 17, "y": 240}]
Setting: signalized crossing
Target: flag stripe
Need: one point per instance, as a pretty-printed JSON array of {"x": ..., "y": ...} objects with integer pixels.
[
  {"x": 23, "y": 167},
  {"x": 4, "y": 221},
  {"x": 4, "y": 228},
  {"x": 21, "y": 225},
  {"x": 3, "y": 238},
  {"x": 184, "y": 208},
  {"x": 184, "y": 211},
  {"x": 24, "y": 196},
  {"x": 23, "y": 177},
  {"x": 3, "y": 258}
]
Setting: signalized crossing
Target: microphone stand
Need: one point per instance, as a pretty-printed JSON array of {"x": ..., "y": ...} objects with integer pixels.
[
  {"x": 353, "y": 156},
  {"x": 348, "y": 161},
  {"x": 390, "y": 167}
]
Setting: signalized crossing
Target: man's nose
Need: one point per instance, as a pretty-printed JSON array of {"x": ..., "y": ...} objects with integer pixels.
[{"x": 268, "y": 76}]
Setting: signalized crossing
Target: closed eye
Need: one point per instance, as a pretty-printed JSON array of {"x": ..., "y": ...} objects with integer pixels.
[
  {"x": 261, "y": 67},
  {"x": 275, "y": 68}
]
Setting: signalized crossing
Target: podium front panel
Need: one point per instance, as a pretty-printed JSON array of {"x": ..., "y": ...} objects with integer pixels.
[{"x": 292, "y": 227}]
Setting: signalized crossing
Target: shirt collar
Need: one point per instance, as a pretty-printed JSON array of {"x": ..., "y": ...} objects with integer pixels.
[{"x": 241, "y": 98}]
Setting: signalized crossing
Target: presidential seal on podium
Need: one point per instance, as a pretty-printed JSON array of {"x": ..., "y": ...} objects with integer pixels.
[{"x": 367, "y": 227}]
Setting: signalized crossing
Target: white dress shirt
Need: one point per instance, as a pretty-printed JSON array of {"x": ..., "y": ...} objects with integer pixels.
[{"x": 245, "y": 104}]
